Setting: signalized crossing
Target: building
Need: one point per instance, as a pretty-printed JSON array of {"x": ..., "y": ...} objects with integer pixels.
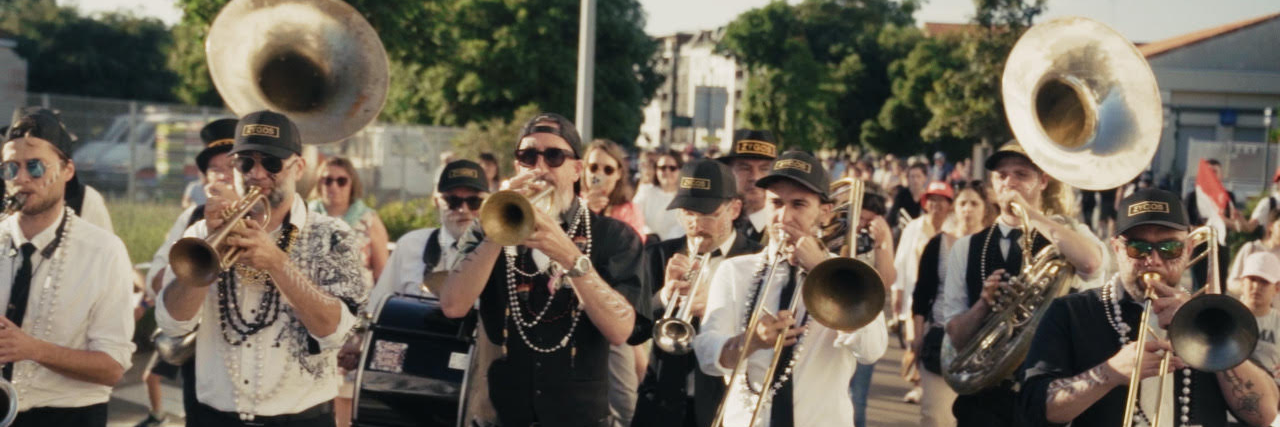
[
  {"x": 699, "y": 101},
  {"x": 13, "y": 75},
  {"x": 1217, "y": 85}
]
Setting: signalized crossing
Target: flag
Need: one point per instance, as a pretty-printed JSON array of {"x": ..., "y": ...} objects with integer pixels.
[{"x": 1212, "y": 199}]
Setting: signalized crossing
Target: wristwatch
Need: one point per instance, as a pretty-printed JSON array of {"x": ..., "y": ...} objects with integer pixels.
[{"x": 581, "y": 267}]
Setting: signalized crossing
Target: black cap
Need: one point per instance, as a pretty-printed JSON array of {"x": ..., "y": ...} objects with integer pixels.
[
  {"x": 802, "y": 168},
  {"x": 751, "y": 144},
  {"x": 38, "y": 122},
  {"x": 564, "y": 129},
  {"x": 218, "y": 136},
  {"x": 462, "y": 173},
  {"x": 267, "y": 132},
  {"x": 1009, "y": 149},
  {"x": 704, "y": 185},
  {"x": 1152, "y": 206}
]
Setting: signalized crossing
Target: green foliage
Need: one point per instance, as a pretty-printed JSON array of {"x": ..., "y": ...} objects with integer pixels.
[
  {"x": 142, "y": 225},
  {"x": 117, "y": 55},
  {"x": 495, "y": 135},
  {"x": 898, "y": 128},
  {"x": 403, "y": 217},
  {"x": 818, "y": 69}
]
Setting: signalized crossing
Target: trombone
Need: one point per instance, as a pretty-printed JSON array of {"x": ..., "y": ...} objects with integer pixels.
[
  {"x": 1212, "y": 332},
  {"x": 198, "y": 261},
  {"x": 673, "y": 333},
  {"x": 840, "y": 293}
]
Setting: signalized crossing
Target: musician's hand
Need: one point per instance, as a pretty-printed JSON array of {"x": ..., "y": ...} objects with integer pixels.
[
  {"x": 770, "y": 326},
  {"x": 992, "y": 287},
  {"x": 259, "y": 248},
  {"x": 808, "y": 251},
  {"x": 527, "y": 183},
  {"x": 880, "y": 231},
  {"x": 219, "y": 196},
  {"x": 549, "y": 238},
  {"x": 1121, "y": 364},
  {"x": 1010, "y": 196},
  {"x": 1167, "y": 301},
  {"x": 349, "y": 356},
  {"x": 676, "y": 269},
  {"x": 16, "y": 345}
]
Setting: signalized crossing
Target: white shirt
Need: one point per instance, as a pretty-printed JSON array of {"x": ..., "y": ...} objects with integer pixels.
[
  {"x": 760, "y": 219},
  {"x": 291, "y": 379},
  {"x": 907, "y": 260},
  {"x": 89, "y": 306},
  {"x": 94, "y": 209},
  {"x": 404, "y": 271},
  {"x": 653, "y": 202},
  {"x": 160, "y": 260},
  {"x": 954, "y": 296},
  {"x": 824, "y": 366}
]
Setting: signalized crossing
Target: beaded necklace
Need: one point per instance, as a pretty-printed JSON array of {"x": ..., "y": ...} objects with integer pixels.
[
  {"x": 1111, "y": 304},
  {"x": 48, "y": 297},
  {"x": 986, "y": 244},
  {"x": 581, "y": 223},
  {"x": 757, "y": 285}
]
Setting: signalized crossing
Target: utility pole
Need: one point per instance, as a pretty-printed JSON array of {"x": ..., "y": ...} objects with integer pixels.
[{"x": 586, "y": 68}]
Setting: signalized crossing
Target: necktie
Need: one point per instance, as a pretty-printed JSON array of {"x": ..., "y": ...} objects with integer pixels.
[
  {"x": 1015, "y": 251},
  {"x": 18, "y": 295},
  {"x": 782, "y": 414}
]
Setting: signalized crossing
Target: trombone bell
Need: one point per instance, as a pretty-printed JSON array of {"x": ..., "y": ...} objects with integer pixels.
[
  {"x": 1213, "y": 332},
  {"x": 843, "y": 294}
]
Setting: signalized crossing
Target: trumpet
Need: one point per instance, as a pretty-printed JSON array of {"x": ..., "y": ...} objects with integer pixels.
[
  {"x": 198, "y": 261},
  {"x": 507, "y": 216},
  {"x": 673, "y": 333}
]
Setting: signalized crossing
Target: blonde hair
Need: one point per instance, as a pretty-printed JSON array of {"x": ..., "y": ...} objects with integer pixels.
[{"x": 1057, "y": 199}]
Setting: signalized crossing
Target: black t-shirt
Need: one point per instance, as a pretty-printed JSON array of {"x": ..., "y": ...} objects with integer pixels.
[
  {"x": 1073, "y": 337},
  {"x": 569, "y": 386},
  {"x": 902, "y": 199}
]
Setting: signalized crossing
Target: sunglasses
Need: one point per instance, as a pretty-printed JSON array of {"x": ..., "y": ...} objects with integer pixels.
[
  {"x": 341, "y": 181},
  {"x": 454, "y": 202},
  {"x": 669, "y": 168},
  {"x": 554, "y": 156},
  {"x": 273, "y": 165},
  {"x": 35, "y": 168},
  {"x": 1168, "y": 249},
  {"x": 595, "y": 167}
]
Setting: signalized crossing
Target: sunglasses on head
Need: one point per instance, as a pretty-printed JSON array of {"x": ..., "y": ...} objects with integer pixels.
[
  {"x": 596, "y": 167},
  {"x": 35, "y": 168},
  {"x": 1168, "y": 249},
  {"x": 554, "y": 156},
  {"x": 340, "y": 181},
  {"x": 271, "y": 164},
  {"x": 454, "y": 202}
]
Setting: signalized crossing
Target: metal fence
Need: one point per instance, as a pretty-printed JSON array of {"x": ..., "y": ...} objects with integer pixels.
[{"x": 143, "y": 150}]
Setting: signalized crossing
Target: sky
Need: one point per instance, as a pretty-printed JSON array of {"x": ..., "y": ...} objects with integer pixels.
[{"x": 1139, "y": 20}]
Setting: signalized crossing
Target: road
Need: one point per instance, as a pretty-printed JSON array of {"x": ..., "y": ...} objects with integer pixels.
[{"x": 884, "y": 408}]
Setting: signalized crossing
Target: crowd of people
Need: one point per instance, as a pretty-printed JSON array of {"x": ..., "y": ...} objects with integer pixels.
[{"x": 573, "y": 323}]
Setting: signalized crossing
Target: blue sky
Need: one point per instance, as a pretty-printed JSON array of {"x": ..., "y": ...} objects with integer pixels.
[{"x": 1140, "y": 20}]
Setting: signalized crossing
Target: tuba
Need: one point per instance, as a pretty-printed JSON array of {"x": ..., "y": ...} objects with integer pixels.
[
  {"x": 317, "y": 61},
  {"x": 1080, "y": 98}
]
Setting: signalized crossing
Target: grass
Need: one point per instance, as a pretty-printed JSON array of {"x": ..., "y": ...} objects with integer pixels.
[{"x": 142, "y": 225}]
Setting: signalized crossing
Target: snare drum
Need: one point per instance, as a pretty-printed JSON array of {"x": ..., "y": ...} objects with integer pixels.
[{"x": 413, "y": 366}]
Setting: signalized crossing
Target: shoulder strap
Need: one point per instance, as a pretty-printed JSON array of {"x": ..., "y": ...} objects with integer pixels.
[
  {"x": 431, "y": 254},
  {"x": 196, "y": 215}
]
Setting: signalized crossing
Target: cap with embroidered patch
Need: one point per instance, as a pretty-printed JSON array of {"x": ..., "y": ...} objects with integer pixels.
[
  {"x": 1152, "y": 206},
  {"x": 751, "y": 144},
  {"x": 267, "y": 132},
  {"x": 938, "y": 188},
  {"x": 802, "y": 168},
  {"x": 703, "y": 186},
  {"x": 462, "y": 173}
]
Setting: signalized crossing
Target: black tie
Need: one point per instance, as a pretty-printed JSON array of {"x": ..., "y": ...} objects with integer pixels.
[
  {"x": 1015, "y": 249},
  {"x": 18, "y": 295},
  {"x": 782, "y": 414}
]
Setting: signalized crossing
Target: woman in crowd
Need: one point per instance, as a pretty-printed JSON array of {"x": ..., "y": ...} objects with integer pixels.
[
  {"x": 937, "y": 201},
  {"x": 337, "y": 194},
  {"x": 652, "y": 200},
  {"x": 974, "y": 211},
  {"x": 1270, "y": 242},
  {"x": 492, "y": 172},
  {"x": 607, "y": 191}
]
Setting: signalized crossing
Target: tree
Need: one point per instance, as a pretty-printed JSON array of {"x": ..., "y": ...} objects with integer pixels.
[
  {"x": 116, "y": 56},
  {"x": 966, "y": 102},
  {"x": 458, "y": 61},
  {"x": 822, "y": 65},
  {"x": 898, "y": 128}
]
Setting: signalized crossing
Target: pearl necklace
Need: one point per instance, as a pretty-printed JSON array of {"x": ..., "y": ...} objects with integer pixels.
[
  {"x": 581, "y": 221},
  {"x": 757, "y": 284},
  {"x": 1122, "y": 331},
  {"x": 49, "y": 294}
]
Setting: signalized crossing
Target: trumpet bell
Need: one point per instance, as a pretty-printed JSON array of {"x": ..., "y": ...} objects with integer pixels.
[
  {"x": 507, "y": 217},
  {"x": 843, "y": 294},
  {"x": 673, "y": 336},
  {"x": 317, "y": 61},
  {"x": 194, "y": 260},
  {"x": 1213, "y": 332},
  {"x": 1081, "y": 98}
]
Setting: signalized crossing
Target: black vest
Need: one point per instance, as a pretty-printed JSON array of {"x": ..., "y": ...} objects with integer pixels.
[{"x": 974, "y": 274}]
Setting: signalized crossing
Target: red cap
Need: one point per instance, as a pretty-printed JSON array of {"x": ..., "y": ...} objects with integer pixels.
[
  {"x": 1276, "y": 177},
  {"x": 940, "y": 188}
]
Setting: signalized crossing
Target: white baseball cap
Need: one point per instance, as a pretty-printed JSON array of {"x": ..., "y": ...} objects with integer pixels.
[{"x": 1264, "y": 265}]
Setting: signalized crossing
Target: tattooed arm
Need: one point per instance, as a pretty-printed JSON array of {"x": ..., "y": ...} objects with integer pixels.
[
  {"x": 1250, "y": 393},
  {"x": 1067, "y": 398},
  {"x": 319, "y": 311},
  {"x": 460, "y": 291},
  {"x": 607, "y": 309}
]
